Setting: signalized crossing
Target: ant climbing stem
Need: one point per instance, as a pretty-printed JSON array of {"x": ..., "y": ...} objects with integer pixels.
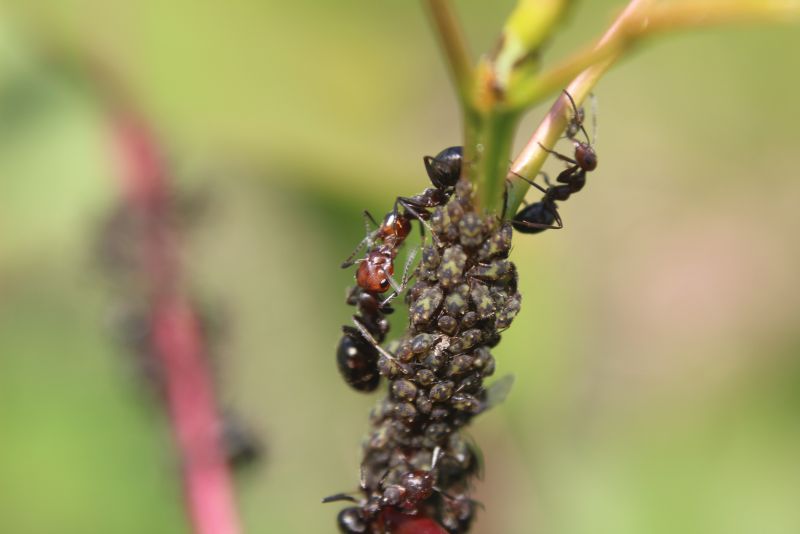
[{"x": 542, "y": 215}]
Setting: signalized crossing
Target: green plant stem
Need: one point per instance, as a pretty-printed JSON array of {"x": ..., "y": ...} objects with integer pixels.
[
  {"x": 488, "y": 156},
  {"x": 454, "y": 44},
  {"x": 528, "y": 26},
  {"x": 640, "y": 19}
]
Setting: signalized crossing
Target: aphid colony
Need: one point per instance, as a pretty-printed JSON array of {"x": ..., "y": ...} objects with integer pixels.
[{"x": 417, "y": 464}]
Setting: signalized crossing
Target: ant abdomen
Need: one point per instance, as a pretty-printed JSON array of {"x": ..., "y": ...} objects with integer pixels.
[{"x": 529, "y": 219}]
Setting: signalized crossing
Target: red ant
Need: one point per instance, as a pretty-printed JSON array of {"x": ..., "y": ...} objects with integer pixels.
[{"x": 375, "y": 272}]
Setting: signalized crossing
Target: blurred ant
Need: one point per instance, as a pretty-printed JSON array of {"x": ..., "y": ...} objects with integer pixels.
[{"x": 539, "y": 216}]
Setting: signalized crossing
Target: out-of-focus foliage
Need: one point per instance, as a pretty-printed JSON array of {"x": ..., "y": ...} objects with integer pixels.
[{"x": 657, "y": 351}]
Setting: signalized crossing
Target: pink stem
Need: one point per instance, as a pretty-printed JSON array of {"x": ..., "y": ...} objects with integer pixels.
[{"x": 176, "y": 335}]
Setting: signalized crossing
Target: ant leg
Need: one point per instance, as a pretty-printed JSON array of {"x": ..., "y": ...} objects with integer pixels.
[
  {"x": 560, "y": 156},
  {"x": 364, "y": 242},
  {"x": 350, "y": 261},
  {"x": 579, "y": 115},
  {"x": 409, "y": 208},
  {"x": 546, "y": 178},
  {"x": 364, "y": 332},
  {"x": 339, "y": 497},
  {"x": 531, "y": 182},
  {"x": 403, "y": 283},
  {"x": 558, "y": 226},
  {"x": 526, "y": 224},
  {"x": 368, "y": 218}
]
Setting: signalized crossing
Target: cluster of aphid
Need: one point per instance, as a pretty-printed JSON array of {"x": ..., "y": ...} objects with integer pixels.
[{"x": 417, "y": 463}]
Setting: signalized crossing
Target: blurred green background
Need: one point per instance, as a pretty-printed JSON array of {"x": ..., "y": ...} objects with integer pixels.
[{"x": 656, "y": 356}]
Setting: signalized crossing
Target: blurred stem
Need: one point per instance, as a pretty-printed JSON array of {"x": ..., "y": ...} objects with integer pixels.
[
  {"x": 528, "y": 26},
  {"x": 176, "y": 335},
  {"x": 454, "y": 44}
]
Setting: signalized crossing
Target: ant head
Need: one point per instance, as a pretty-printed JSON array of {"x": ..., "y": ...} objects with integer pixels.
[
  {"x": 373, "y": 274},
  {"x": 445, "y": 169},
  {"x": 585, "y": 156}
]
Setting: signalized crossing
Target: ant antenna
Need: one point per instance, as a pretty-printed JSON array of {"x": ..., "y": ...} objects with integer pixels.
[
  {"x": 578, "y": 119},
  {"x": 339, "y": 497},
  {"x": 531, "y": 182},
  {"x": 367, "y": 239}
]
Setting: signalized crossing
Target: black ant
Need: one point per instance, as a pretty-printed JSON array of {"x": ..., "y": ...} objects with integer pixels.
[
  {"x": 541, "y": 215},
  {"x": 356, "y": 358},
  {"x": 444, "y": 170}
]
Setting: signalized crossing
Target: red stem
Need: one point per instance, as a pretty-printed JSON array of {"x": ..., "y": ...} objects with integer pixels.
[{"x": 176, "y": 334}]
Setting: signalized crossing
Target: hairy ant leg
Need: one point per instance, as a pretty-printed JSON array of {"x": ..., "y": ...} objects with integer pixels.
[
  {"x": 403, "y": 282},
  {"x": 385, "y": 353},
  {"x": 417, "y": 210},
  {"x": 367, "y": 241}
]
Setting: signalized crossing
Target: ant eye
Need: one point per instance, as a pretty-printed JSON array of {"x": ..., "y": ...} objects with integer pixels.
[{"x": 384, "y": 283}]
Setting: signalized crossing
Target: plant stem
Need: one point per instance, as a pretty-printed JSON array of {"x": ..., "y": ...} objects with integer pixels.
[
  {"x": 175, "y": 333},
  {"x": 493, "y": 144},
  {"x": 454, "y": 45},
  {"x": 640, "y": 19}
]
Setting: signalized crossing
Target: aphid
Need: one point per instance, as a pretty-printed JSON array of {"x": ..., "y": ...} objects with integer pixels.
[
  {"x": 357, "y": 360},
  {"x": 542, "y": 215}
]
